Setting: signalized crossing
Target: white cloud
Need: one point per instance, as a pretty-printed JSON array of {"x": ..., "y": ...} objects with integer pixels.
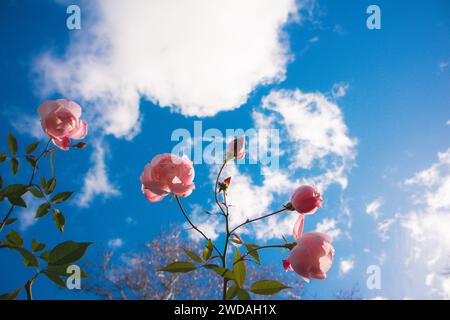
[
  {"x": 26, "y": 124},
  {"x": 372, "y": 208},
  {"x": 427, "y": 224},
  {"x": 115, "y": 243},
  {"x": 130, "y": 220},
  {"x": 314, "y": 138},
  {"x": 198, "y": 57},
  {"x": 329, "y": 226},
  {"x": 339, "y": 90},
  {"x": 25, "y": 216},
  {"x": 346, "y": 265},
  {"x": 384, "y": 227},
  {"x": 96, "y": 181}
]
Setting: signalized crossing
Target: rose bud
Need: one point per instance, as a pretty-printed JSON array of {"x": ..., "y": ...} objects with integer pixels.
[
  {"x": 60, "y": 119},
  {"x": 306, "y": 199},
  {"x": 312, "y": 257},
  {"x": 165, "y": 174},
  {"x": 236, "y": 149}
]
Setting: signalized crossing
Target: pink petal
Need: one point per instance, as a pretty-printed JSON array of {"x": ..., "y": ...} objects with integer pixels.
[
  {"x": 62, "y": 143},
  {"x": 81, "y": 132},
  {"x": 70, "y": 105},
  {"x": 151, "y": 196},
  {"x": 298, "y": 227},
  {"x": 286, "y": 265},
  {"x": 47, "y": 107}
]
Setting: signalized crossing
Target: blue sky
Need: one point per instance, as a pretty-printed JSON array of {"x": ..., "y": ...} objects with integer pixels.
[{"x": 143, "y": 71}]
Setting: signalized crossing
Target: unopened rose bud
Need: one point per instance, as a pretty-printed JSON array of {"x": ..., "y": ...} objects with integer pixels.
[
  {"x": 236, "y": 149},
  {"x": 306, "y": 199}
]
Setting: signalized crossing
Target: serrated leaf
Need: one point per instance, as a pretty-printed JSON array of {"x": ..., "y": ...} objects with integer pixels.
[
  {"x": 207, "y": 252},
  {"x": 12, "y": 144},
  {"x": 14, "y": 166},
  {"x": 193, "y": 255},
  {"x": 55, "y": 279},
  {"x": 239, "y": 269},
  {"x": 11, "y": 295},
  {"x": 255, "y": 253},
  {"x": 17, "y": 201},
  {"x": 267, "y": 287},
  {"x": 36, "y": 192},
  {"x": 179, "y": 266},
  {"x": 14, "y": 239},
  {"x": 67, "y": 252},
  {"x": 51, "y": 185},
  {"x": 36, "y": 246},
  {"x": 29, "y": 259},
  {"x": 61, "y": 197},
  {"x": 32, "y": 147},
  {"x": 79, "y": 145},
  {"x": 43, "y": 182},
  {"x": 59, "y": 219},
  {"x": 3, "y": 157},
  {"x": 42, "y": 210}
]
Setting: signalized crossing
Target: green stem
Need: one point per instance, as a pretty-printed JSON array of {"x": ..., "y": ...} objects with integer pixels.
[
  {"x": 259, "y": 218},
  {"x": 259, "y": 248}
]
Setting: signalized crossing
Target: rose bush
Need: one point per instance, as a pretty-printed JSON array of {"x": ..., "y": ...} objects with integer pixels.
[{"x": 311, "y": 256}]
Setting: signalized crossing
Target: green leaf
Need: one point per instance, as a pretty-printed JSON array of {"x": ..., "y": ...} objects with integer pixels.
[
  {"x": 62, "y": 271},
  {"x": 61, "y": 197},
  {"x": 3, "y": 157},
  {"x": 17, "y": 201},
  {"x": 59, "y": 219},
  {"x": 45, "y": 255},
  {"x": 55, "y": 279},
  {"x": 239, "y": 269},
  {"x": 193, "y": 255},
  {"x": 13, "y": 239},
  {"x": 179, "y": 266},
  {"x": 1, "y": 182},
  {"x": 32, "y": 161},
  {"x": 10, "y": 221},
  {"x": 255, "y": 253},
  {"x": 29, "y": 259},
  {"x": 36, "y": 246},
  {"x": 231, "y": 292},
  {"x": 51, "y": 185},
  {"x": 36, "y": 192},
  {"x": 67, "y": 252},
  {"x": 208, "y": 250},
  {"x": 267, "y": 287},
  {"x": 32, "y": 147},
  {"x": 12, "y": 144},
  {"x": 15, "y": 190},
  {"x": 14, "y": 166},
  {"x": 43, "y": 182},
  {"x": 11, "y": 295},
  {"x": 243, "y": 294},
  {"x": 42, "y": 210},
  {"x": 223, "y": 272}
]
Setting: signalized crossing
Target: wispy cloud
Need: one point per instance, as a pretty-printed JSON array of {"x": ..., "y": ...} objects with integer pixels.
[
  {"x": 96, "y": 181},
  {"x": 373, "y": 208},
  {"x": 329, "y": 226},
  {"x": 346, "y": 265},
  {"x": 339, "y": 89}
]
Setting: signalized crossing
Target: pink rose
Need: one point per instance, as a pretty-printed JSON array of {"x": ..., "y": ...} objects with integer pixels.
[
  {"x": 312, "y": 257},
  {"x": 60, "y": 119},
  {"x": 165, "y": 174},
  {"x": 306, "y": 199},
  {"x": 236, "y": 149}
]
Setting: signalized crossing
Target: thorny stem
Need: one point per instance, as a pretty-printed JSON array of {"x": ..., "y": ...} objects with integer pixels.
[
  {"x": 30, "y": 183},
  {"x": 193, "y": 225}
]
